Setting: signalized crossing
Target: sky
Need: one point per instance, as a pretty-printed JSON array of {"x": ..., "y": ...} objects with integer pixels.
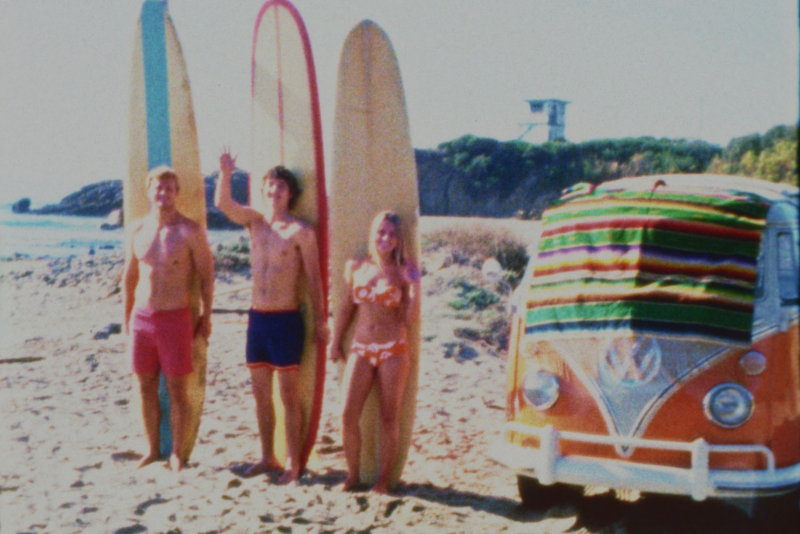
[{"x": 693, "y": 69}]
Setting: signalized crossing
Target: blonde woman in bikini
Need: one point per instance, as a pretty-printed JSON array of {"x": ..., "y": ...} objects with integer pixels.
[{"x": 379, "y": 298}]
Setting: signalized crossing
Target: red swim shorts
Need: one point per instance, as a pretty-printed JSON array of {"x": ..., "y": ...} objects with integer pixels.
[{"x": 162, "y": 340}]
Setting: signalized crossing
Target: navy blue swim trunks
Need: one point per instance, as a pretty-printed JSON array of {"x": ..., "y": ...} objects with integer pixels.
[{"x": 275, "y": 339}]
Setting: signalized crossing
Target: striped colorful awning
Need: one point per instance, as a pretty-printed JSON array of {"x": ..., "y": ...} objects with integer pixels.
[{"x": 664, "y": 262}]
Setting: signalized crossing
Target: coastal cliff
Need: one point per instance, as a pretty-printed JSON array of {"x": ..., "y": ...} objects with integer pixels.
[
  {"x": 102, "y": 198},
  {"x": 442, "y": 191}
]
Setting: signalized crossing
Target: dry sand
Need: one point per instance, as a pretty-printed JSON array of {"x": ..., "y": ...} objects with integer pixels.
[{"x": 70, "y": 435}]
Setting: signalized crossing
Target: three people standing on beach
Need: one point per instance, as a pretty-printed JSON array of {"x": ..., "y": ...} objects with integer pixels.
[
  {"x": 283, "y": 248},
  {"x": 166, "y": 251}
]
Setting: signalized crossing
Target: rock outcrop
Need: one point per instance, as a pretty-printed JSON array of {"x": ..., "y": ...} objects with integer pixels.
[
  {"x": 103, "y": 199},
  {"x": 22, "y": 205},
  {"x": 442, "y": 191},
  {"x": 94, "y": 200}
]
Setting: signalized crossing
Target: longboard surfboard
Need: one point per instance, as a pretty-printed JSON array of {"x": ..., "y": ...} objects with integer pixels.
[
  {"x": 373, "y": 170},
  {"x": 162, "y": 132},
  {"x": 287, "y": 130}
]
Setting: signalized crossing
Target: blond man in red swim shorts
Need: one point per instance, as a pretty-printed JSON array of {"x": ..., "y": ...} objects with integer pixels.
[{"x": 165, "y": 253}]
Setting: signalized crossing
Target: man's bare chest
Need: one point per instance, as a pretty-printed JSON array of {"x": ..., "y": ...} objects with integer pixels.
[
  {"x": 274, "y": 247},
  {"x": 160, "y": 245}
]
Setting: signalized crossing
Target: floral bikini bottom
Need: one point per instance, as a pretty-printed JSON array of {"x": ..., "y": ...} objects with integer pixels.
[{"x": 376, "y": 353}]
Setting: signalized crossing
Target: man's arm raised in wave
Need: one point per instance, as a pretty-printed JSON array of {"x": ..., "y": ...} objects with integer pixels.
[{"x": 223, "y": 199}]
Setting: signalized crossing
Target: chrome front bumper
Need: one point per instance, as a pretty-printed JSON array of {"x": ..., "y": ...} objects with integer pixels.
[{"x": 548, "y": 466}]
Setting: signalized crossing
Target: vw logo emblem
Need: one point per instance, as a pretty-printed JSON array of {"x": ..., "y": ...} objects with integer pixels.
[{"x": 631, "y": 362}]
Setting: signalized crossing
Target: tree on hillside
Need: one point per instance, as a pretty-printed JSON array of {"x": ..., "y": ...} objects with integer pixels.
[
  {"x": 740, "y": 146},
  {"x": 772, "y": 156},
  {"x": 495, "y": 169},
  {"x": 492, "y": 167},
  {"x": 778, "y": 163}
]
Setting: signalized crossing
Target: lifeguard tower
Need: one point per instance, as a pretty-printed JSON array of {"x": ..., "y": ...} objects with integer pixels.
[{"x": 550, "y": 111}]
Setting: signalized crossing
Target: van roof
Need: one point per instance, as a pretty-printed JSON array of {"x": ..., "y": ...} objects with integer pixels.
[{"x": 709, "y": 183}]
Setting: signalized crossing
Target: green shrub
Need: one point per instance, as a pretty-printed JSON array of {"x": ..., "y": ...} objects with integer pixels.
[
  {"x": 232, "y": 258},
  {"x": 471, "y": 296},
  {"x": 492, "y": 329}
]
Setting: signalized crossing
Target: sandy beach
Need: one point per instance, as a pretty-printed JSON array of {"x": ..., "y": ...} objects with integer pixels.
[{"x": 71, "y": 435}]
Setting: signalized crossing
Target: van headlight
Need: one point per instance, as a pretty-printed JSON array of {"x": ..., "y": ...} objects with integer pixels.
[
  {"x": 540, "y": 389},
  {"x": 728, "y": 405}
]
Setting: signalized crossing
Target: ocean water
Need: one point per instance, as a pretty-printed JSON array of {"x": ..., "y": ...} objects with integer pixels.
[{"x": 58, "y": 236}]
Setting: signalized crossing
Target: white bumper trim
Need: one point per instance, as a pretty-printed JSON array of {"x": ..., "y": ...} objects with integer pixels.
[{"x": 548, "y": 466}]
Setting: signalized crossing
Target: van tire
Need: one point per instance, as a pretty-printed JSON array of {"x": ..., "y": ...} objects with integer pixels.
[
  {"x": 779, "y": 514},
  {"x": 537, "y": 496}
]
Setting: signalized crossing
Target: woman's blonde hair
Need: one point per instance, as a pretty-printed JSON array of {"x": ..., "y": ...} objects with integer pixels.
[{"x": 398, "y": 254}]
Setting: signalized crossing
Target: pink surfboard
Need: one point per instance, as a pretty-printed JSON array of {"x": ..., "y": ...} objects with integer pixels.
[{"x": 286, "y": 130}]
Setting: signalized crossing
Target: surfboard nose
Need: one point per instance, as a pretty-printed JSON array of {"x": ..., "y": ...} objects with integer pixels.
[{"x": 370, "y": 62}]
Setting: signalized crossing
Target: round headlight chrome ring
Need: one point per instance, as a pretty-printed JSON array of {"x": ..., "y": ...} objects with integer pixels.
[
  {"x": 728, "y": 405},
  {"x": 540, "y": 389}
]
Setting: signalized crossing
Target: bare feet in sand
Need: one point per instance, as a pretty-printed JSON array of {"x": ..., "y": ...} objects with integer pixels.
[
  {"x": 176, "y": 463},
  {"x": 381, "y": 488},
  {"x": 149, "y": 459},
  {"x": 349, "y": 484},
  {"x": 290, "y": 475},
  {"x": 264, "y": 466}
]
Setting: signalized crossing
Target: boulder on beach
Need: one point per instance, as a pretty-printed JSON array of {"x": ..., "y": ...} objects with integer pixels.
[
  {"x": 113, "y": 221},
  {"x": 22, "y": 205}
]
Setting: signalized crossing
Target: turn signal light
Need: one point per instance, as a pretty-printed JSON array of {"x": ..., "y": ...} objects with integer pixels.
[{"x": 753, "y": 363}]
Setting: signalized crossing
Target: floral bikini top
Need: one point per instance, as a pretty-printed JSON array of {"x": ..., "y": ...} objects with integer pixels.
[{"x": 382, "y": 293}]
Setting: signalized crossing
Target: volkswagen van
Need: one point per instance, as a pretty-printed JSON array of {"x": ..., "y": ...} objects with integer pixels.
[{"x": 654, "y": 341}]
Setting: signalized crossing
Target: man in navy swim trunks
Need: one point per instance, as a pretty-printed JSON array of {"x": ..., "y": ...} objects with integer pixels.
[
  {"x": 282, "y": 248},
  {"x": 164, "y": 254}
]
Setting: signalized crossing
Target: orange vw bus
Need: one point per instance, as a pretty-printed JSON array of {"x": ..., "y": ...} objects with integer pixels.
[{"x": 654, "y": 341}]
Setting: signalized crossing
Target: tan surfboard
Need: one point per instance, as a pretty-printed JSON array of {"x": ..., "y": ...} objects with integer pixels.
[
  {"x": 287, "y": 131},
  {"x": 373, "y": 170},
  {"x": 162, "y": 132}
]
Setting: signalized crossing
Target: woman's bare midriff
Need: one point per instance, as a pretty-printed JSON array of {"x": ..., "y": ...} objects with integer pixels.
[{"x": 376, "y": 323}]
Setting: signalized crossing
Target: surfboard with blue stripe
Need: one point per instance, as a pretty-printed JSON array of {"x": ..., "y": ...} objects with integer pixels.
[
  {"x": 156, "y": 83},
  {"x": 162, "y": 132}
]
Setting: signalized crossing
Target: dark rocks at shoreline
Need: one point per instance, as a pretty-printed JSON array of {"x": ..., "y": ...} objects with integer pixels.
[
  {"x": 93, "y": 200},
  {"x": 23, "y": 205},
  {"x": 441, "y": 192},
  {"x": 104, "y": 198}
]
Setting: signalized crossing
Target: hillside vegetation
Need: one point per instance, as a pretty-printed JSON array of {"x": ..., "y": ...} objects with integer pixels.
[
  {"x": 772, "y": 156},
  {"x": 485, "y": 177}
]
